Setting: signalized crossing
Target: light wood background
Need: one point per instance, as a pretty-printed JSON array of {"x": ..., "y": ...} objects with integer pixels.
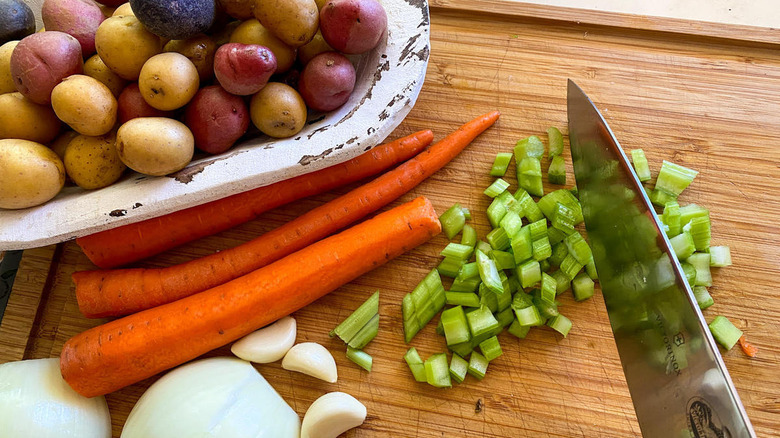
[{"x": 711, "y": 104}]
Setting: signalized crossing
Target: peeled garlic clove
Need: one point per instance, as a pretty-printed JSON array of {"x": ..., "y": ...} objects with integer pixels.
[
  {"x": 268, "y": 344},
  {"x": 331, "y": 415},
  {"x": 313, "y": 359}
]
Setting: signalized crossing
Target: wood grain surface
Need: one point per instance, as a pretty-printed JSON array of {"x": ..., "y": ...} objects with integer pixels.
[{"x": 707, "y": 103}]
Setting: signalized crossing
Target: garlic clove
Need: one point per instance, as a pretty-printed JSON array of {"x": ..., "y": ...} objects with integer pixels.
[
  {"x": 268, "y": 344},
  {"x": 331, "y": 415},
  {"x": 313, "y": 359}
]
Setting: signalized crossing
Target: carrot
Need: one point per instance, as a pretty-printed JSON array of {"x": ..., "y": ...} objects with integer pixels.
[
  {"x": 119, "y": 292},
  {"x": 133, "y": 242},
  {"x": 748, "y": 348},
  {"x": 121, "y": 352}
]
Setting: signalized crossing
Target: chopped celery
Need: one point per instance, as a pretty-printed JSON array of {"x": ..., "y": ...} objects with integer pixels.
[
  {"x": 559, "y": 252},
  {"x": 549, "y": 286},
  {"x": 488, "y": 298},
  {"x": 489, "y": 273},
  {"x": 529, "y": 316},
  {"x": 541, "y": 249},
  {"x": 703, "y": 297},
  {"x": 416, "y": 364},
  {"x": 469, "y": 270},
  {"x": 495, "y": 189},
  {"x": 466, "y": 213},
  {"x": 556, "y": 173},
  {"x": 457, "y": 251},
  {"x": 578, "y": 248},
  {"x": 560, "y": 324},
  {"x": 522, "y": 247},
  {"x": 452, "y": 221},
  {"x": 450, "y": 266},
  {"x": 458, "y": 368},
  {"x": 529, "y": 176},
  {"x": 495, "y": 212},
  {"x": 570, "y": 266},
  {"x": 498, "y": 239},
  {"x": 478, "y": 365},
  {"x": 411, "y": 323},
  {"x": 481, "y": 321},
  {"x": 690, "y": 211},
  {"x": 529, "y": 147},
  {"x": 725, "y": 332},
  {"x": 469, "y": 236},
  {"x": 505, "y": 317},
  {"x": 582, "y": 286},
  {"x": 530, "y": 273},
  {"x": 700, "y": 232},
  {"x": 530, "y": 209},
  {"x": 575, "y": 192},
  {"x": 671, "y": 218},
  {"x": 366, "y": 334},
  {"x": 462, "y": 349},
  {"x": 544, "y": 265},
  {"x": 555, "y": 235},
  {"x": 456, "y": 329},
  {"x": 425, "y": 301},
  {"x": 672, "y": 180},
  {"x": 562, "y": 280},
  {"x": 590, "y": 268},
  {"x": 640, "y": 164},
  {"x": 358, "y": 319},
  {"x": 519, "y": 330},
  {"x": 437, "y": 371},
  {"x": 484, "y": 246},
  {"x": 546, "y": 310},
  {"x": 503, "y": 259},
  {"x": 563, "y": 219},
  {"x": 538, "y": 229},
  {"x": 503, "y": 300},
  {"x": 508, "y": 200},
  {"x": 701, "y": 261},
  {"x": 500, "y": 164},
  {"x": 554, "y": 142},
  {"x": 467, "y": 299},
  {"x": 549, "y": 202},
  {"x": 521, "y": 300},
  {"x": 465, "y": 285},
  {"x": 360, "y": 357},
  {"x": 490, "y": 348},
  {"x": 511, "y": 223},
  {"x": 720, "y": 256},
  {"x": 683, "y": 245},
  {"x": 690, "y": 273}
]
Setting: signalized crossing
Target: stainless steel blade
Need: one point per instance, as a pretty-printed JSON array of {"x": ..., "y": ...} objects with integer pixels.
[{"x": 676, "y": 376}]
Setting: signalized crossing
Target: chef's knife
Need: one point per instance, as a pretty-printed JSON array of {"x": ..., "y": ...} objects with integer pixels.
[{"x": 675, "y": 374}]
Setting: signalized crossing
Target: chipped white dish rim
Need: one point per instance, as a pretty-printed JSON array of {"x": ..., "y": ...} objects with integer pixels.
[{"x": 389, "y": 79}]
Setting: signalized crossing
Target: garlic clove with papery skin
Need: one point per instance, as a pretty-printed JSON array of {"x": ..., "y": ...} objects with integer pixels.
[
  {"x": 331, "y": 415},
  {"x": 268, "y": 344},
  {"x": 313, "y": 359}
]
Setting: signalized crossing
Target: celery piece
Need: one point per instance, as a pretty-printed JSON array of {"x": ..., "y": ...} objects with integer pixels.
[
  {"x": 466, "y": 213},
  {"x": 465, "y": 285},
  {"x": 452, "y": 221},
  {"x": 529, "y": 147},
  {"x": 575, "y": 192},
  {"x": 505, "y": 317},
  {"x": 469, "y": 270},
  {"x": 555, "y": 235},
  {"x": 507, "y": 199},
  {"x": 511, "y": 223},
  {"x": 488, "y": 298},
  {"x": 554, "y": 142},
  {"x": 538, "y": 229},
  {"x": 490, "y": 348},
  {"x": 549, "y": 287},
  {"x": 457, "y": 251},
  {"x": 456, "y": 329},
  {"x": 582, "y": 286},
  {"x": 640, "y": 164},
  {"x": 590, "y": 268},
  {"x": 671, "y": 218},
  {"x": 548, "y": 203},
  {"x": 458, "y": 368},
  {"x": 513, "y": 284},
  {"x": 411, "y": 323},
  {"x": 703, "y": 297},
  {"x": 495, "y": 189},
  {"x": 559, "y": 252},
  {"x": 481, "y": 321},
  {"x": 541, "y": 249},
  {"x": 450, "y": 266},
  {"x": 529, "y": 176},
  {"x": 503, "y": 300},
  {"x": 437, "y": 371},
  {"x": 425, "y": 301},
  {"x": 503, "y": 259},
  {"x": 500, "y": 164},
  {"x": 546, "y": 310},
  {"x": 521, "y": 300},
  {"x": 563, "y": 219},
  {"x": 469, "y": 236},
  {"x": 578, "y": 248},
  {"x": 556, "y": 173},
  {"x": 416, "y": 364},
  {"x": 358, "y": 319},
  {"x": 467, "y": 299},
  {"x": 544, "y": 265},
  {"x": 530, "y": 209},
  {"x": 518, "y": 330},
  {"x": 700, "y": 232},
  {"x": 570, "y": 266},
  {"x": 366, "y": 334},
  {"x": 672, "y": 180},
  {"x": 360, "y": 357},
  {"x": 725, "y": 332},
  {"x": 529, "y": 273},
  {"x": 495, "y": 212},
  {"x": 489, "y": 273},
  {"x": 498, "y": 239},
  {"x": 690, "y": 273},
  {"x": 701, "y": 261},
  {"x": 522, "y": 246},
  {"x": 562, "y": 280},
  {"x": 683, "y": 245},
  {"x": 720, "y": 256},
  {"x": 690, "y": 211},
  {"x": 560, "y": 324},
  {"x": 484, "y": 246},
  {"x": 440, "y": 328},
  {"x": 478, "y": 365},
  {"x": 529, "y": 316},
  {"x": 463, "y": 349}
]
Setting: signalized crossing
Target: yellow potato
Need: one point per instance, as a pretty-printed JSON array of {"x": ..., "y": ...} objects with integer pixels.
[
  {"x": 168, "y": 81},
  {"x": 61, "y": 143},
  {"x": 320, "y": 4},
  {"x": 278, "y": 110},
  {"x": 123, "y": 9},
  {"x": 23, "y": 119},
  {"x": 313, "y": 48},
  {"x": 95, "y": 67},
  {"x": 240, "y": 9},
  {"x": 92, "y": 162},
  {"x": 155, "y": 145},
  {"x": 199, "y": 49},
  {"x": 293, "y": 21},
  {"x": 252, "y": 32},
  {"x": 124, "y": 45},
  {"x": 6, "y": 80},
  {"x": 30, "y": 174},
  {"x": 85, "y": 104}
]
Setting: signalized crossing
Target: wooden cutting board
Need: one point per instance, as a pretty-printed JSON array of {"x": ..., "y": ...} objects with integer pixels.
[{"x": 709, "y": 103}]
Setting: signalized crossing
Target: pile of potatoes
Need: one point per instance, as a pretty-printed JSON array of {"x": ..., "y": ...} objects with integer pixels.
[{"x": 140, "y": 85}]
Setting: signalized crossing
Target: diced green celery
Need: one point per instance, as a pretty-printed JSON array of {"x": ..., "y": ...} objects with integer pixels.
[
  {"x": 416, "y": 364},
  {"x": 513, "y": 283},
  {"x": 563, "y": 219},
  {"x": 683, "y": 245},
  {"x": 469, "y": 236},
  {"x": 529, "y": 147},
  {"x": 437, "y": 371},
  {"x": 690, "y": 211},
  {"x": 481, "y": 321},
  {"x": 425, "y": 301},
  {"x": 549, "y": 202},
  {"x": 546, "y": 310},
  {"x": 465, "y": 285},
  {"x": 495, "y": 189},
  {"x": 560, "y": 324},
  {"x": 458, "y": 368},
  {"x": 701, "y": 261},
  {"x": 529, "y": 207},
  {"x": 484, "y": 246},
  {"x": 703, "y": 297},
  {"x": 469, "y": 270},
  {"x": 570, "y": 266},
  {"x": 467, "y": 299},
  {"x": 366, "y": 334},
  {"x": 575, "y": 192},
  {"x": 500, "y": 164},
  {"x": 538, "y": 229},
  {"x": 490, "y": 348},
  {"x": 544, "y": 265},
  {"x": 452, "y": 221},
  {"x": 582, "y": 286},
  {"x": 672, "y": 180},
  {"x": 590, "y": 268},
  {"x": 578, "y": 248},
  {"x": 440, "y": 328},
  {"x": 478, "y": 365},
  {"x": 495, "y": 212},
  {"x": 725, "y": 332},
  {"x": 563, "y": 282},
  {"x": 522, "y": 246},
  {"x": 411, "y": 323},
  {"x": 690, "y": 273},
  {"x": 503, "y": 259},
  {"x": 489, "y": 273},
  {"x": 503, "y": 300},
  {"x": 700, "y": 232},
  {"x": 518, "y": 330},
  {"x": 720, "y": 256},
  {"x": 462, "y": 349},
  {"x": 521, "y": 300},
  {"x": 554, "y": 142},
  {"x": 529, "y": 176},
  {"x": 511, "y": 223},
  {"x": 505, "y": 317},
  {"x": 541, "y": 249},
  {"x": 529, "y": 316},
  {"x": 466, "y": 213},
  {"x": 529, "y": 273},
  {"x": 498, "y": 239},
  {"x": 671, "y": 218},
  {"x": 640, "y": 164},
  {"x": 488, "y": 298},
  {"x": 360, "y": 357},
  {"x": 549, "y": 286},
  {"x": 555, "y": 235},
  {"x": 450, "y": 266},
  {"x": 556, "y": 173},
  {"x": 456, "y": 329},
  {"x": 507, "y": 199},
  {"x": 457, "y": 251},
  {"x": 358, "y": 319}
]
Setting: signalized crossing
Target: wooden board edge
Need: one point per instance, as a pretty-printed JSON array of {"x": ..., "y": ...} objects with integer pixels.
[{"x": 752, "y": 34}]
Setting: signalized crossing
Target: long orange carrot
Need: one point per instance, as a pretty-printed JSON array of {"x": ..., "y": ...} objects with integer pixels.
[
  {"x": 121, "y": 352},
  {"x": 133, "y": 242},
  {"x": 123, "y": 291}
]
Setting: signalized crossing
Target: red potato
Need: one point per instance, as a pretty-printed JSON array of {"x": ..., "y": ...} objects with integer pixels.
[
  {"x": 78, "y": 18},
  {"x": 216, "y": 118},
  {"x": 42, "y": 60},
  {"x": 244, "y": 69},
  {"x": 131, "y": 105},
  {"x": 327, "y": 81},
  {"x": 353, "y": 26}
]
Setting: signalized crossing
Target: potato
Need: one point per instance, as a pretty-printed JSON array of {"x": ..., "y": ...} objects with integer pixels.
[
  {"x": 96, "y": 68},
  {"x": 327, "y": 81},
  {"x": 278, "y": 110},
  {"x": 30, "y": 174},
  {"x": 222, "y": 36},
  {"x": 353, "y": 26},
  {"x": 320, "y": 4},
  {"x": 217, "y": 119},
  {"x": 124, "y": 45},
  {"x": 155, "y": 145},
  {"x": 16, "y": 20},
  {"x": 313, "y": 48},
  {"x": 78, "y": 18},
  {"x": 123, "y": 9},
  {"x": 21, "y": 118},
  {"x": 85, "y": 104},
  {"x": 132, "y": 105},
  {"x": 92, "y": 162},
  {"x": 61, "y": 143},
  {"x": 293, "y": 21},
  {"x": 175, "y": 19},
  {"x": 240, "y": 9},
  {"x": 244, "y": 69},
  {"x": 200, "y": 50},
  {"x": 107, "y": 10},
  {"x": 42, "y": 60},
  {"x": 168, "y": 81},
  {"x": 252, "y": 32},
  {"x": 6, "y": 80}
]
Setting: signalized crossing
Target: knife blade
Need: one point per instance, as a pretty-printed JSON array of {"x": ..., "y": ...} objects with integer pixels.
[{"x": 678, "y": 382}]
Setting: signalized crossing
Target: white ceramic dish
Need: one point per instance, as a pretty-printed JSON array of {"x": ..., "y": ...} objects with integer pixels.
[{"x": 388, "y": 81}]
